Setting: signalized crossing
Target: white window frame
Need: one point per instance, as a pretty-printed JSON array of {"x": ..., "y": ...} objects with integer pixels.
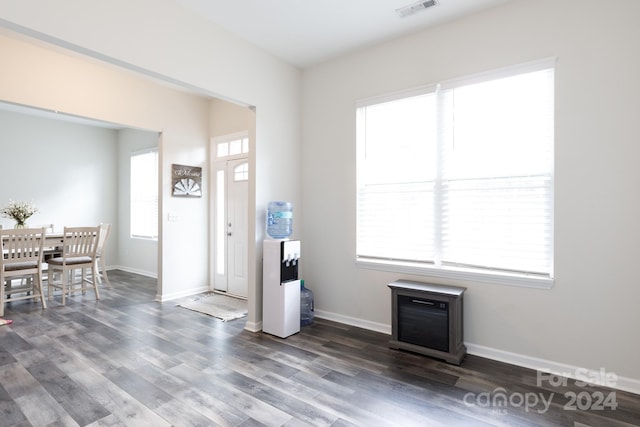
[
  {"x": 151, "y": 201},
  {"x": 238, "y": 139},
  {"x": 436, "y": 269}
]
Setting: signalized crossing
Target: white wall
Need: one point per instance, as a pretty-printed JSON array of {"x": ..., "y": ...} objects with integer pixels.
[
  {"x": 589, "y": 318},
  {"x": 48, "y": 79},
  {"x": 160, "y": 39},
  {"x": 67, "y": 170},
  {"x": 79, "y": 174},
  {"x": 227, "y": 118},
  {"x": 135, "y": 254}
]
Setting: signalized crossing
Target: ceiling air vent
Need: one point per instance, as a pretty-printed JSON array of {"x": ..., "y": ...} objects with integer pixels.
[{"x": 415, "y": 7}]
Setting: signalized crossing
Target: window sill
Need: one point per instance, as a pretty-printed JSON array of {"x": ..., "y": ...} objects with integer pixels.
[
  {"x": 457, "y": 273},
  {"x": 146, "y": 238}
]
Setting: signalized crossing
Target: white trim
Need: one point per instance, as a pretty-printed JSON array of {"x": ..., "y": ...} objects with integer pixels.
[
  {"x": 230, "y": 137},
  {"x": 253, "y": 326},
  {"x": 394, "y": 96},
  {"x": 457, "y": 273},
  {"x": 353, "y": 321},
  {"x": 214, "y": 141},
  {"x": 498, "y": 73},
  {"x": 187, "y": 293},
  {"x": 555, "y": 368},
  {"x": 150, "y": 274}
]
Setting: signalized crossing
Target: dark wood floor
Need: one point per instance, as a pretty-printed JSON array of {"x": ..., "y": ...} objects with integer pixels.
[{"x": 129, "y": 361}]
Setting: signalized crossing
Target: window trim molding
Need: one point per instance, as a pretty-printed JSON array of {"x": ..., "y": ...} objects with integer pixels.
[
  {"x": 495, "y": 73},
  {"x": 394, "y": 96},
  {"x": 518, "y": 279},
  {"x": 215, "y": 140},
  {"x": 458, "y": 273}
]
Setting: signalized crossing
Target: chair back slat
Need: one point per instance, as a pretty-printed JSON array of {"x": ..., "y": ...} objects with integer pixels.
[
  {"x": 105, "y": 230},
  {"x": 21, "y": 245},
  {"x": 80, "y": 241}
]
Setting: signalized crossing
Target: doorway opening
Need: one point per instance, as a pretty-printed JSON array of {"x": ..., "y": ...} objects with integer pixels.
[{"x": 231, "y": 214}]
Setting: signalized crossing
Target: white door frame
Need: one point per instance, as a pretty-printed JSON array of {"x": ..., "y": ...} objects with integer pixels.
[{"x": 218, "y": 186}]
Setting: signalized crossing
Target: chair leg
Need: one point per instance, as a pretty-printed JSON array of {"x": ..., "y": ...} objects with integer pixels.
[
  {"x": 94, "y": 273},
  {"x": 73, "y": 274},
  {"x": 99, "y": 276},
  {"x": 103, "y": 271},
  {"x": 37, "y": 289},
  {"x": 49, "y": 283},
  {"x": 2, "y": 295},
  {"x": 64, "y": 279},
  {"x": 83, "y": 280}
]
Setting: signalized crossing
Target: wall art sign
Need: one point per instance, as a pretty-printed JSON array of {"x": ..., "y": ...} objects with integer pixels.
[{"x": 186, "y": 181}]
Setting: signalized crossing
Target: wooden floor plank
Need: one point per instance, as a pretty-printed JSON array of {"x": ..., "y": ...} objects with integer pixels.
[{"x": 127, "y": 360}]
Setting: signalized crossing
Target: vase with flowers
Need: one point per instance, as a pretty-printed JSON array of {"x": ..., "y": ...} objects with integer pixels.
[{"x": 19, "y": 212}]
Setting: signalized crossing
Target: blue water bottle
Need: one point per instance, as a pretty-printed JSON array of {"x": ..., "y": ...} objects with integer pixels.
[
  {"x": 306, "y": 305},
  {"x": 279, "y": 219}
]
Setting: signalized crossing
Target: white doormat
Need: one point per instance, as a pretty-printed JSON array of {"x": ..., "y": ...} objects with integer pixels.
[{"x": 223, "y": 307}]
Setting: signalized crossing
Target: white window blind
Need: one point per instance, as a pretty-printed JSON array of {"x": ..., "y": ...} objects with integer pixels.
[
  {"x": 397, "y": 176},
  {"x": 144, "y": 194},
  {"x": 460, "y": 175}
]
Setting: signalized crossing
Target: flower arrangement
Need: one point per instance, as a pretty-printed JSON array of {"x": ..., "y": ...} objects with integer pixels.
[{"x": 19, "y": 211}]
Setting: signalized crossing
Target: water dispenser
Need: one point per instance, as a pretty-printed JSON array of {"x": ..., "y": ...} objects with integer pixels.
[{"x": 280, "y": 287}]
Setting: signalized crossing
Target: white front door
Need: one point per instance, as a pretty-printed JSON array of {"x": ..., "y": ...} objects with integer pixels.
[
  {"x": 237, "y": 225},
  {"x": 231, "y": 251}
]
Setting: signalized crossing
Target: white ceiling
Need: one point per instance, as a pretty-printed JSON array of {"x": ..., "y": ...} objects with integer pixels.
[{"x": 305, "y": 32}]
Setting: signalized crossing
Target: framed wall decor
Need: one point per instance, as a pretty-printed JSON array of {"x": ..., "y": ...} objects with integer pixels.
[{"x": 186, "y": 181}]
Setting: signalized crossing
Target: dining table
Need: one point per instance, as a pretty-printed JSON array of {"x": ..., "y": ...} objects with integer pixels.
[{"x": 53, "y": 239}]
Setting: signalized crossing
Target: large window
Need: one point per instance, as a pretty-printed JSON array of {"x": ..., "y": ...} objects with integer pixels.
[
  {"x": 457, "y": 179},
  {"x": 144, "y": 194}
]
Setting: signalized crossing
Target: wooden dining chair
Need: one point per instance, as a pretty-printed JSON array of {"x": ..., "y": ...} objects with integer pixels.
[
  {"x": 49, "y": 251},
  {"x": 79, "y": 248},
  {"x": 105, "y": 231},
  {"x": 21, "y": 258}
]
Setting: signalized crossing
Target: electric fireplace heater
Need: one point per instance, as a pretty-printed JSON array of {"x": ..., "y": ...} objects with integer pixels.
[{"x": 427, "y": 319}]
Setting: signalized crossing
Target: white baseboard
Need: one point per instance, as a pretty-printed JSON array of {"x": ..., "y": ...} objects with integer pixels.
[
  {"x": 577, "y": 373},
  {"x": 151, "y": 274},
  {"x": 364, "y": 324},
  {"x": 176, "y": 295},
  {"x": 253, "y": 326}
]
